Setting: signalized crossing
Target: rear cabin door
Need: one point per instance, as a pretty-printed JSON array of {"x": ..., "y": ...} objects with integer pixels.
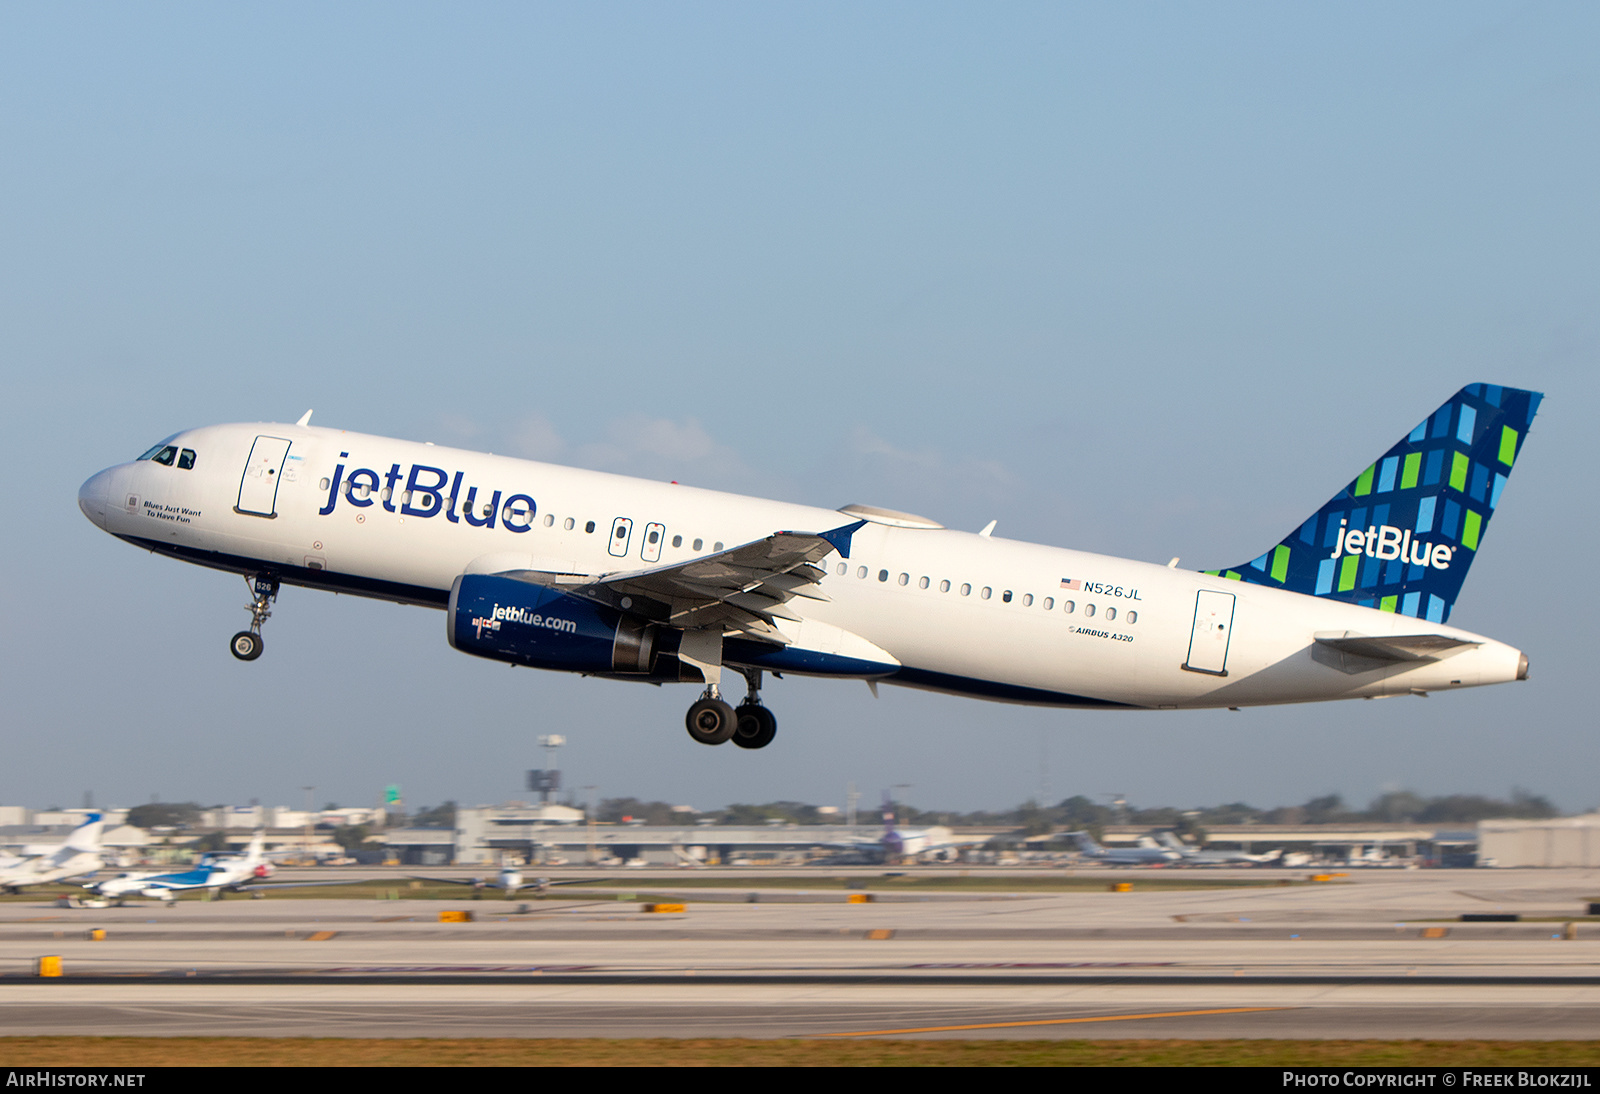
[
  {"x": 1213, "y": 627},
  {"x": 258, "y": 489}
]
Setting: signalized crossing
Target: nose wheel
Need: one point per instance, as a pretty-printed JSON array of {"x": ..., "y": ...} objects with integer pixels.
[{"x": 247, "y": 645}]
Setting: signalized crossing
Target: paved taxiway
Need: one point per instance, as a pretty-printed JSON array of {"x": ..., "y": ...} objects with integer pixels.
[{"x": 1376, "y": 954}]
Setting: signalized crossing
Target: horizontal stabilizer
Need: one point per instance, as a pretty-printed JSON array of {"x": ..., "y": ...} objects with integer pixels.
[{"x": 1397, "y": 647}]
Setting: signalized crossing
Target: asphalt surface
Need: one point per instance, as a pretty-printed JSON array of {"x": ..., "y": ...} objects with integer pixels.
[{"x": 1377, "y": 954}]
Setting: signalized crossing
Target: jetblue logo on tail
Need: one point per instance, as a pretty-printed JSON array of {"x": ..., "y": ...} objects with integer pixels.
[{"x": 1388, "y": 542}]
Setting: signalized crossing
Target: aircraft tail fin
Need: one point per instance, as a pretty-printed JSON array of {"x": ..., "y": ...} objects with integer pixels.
[
  {"x": 1402, "y": 534},
  {"x": 86, "y": 837},
  {"x": 1086, "y": 843}
]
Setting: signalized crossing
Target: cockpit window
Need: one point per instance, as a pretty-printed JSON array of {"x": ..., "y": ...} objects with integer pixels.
[
  {"x": 150, "y": 455},
  {"x": 167, "y": 454},
  {"x": 186, "y": 459}
]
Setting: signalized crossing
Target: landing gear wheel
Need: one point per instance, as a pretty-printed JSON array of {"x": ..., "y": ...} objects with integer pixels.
[
  {"x": 711, "y": 721},
  {"x": 755, "y": 726},
  {"x": 246, "y": 645}
]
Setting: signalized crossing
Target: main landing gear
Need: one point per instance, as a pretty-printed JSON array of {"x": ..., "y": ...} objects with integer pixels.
[
  {"x": 246, "y": 645},
  {"x": 711, "y": 721}
]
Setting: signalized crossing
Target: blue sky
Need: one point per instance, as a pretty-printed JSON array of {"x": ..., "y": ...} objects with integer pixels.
[{"x": 1151, "y": 280}]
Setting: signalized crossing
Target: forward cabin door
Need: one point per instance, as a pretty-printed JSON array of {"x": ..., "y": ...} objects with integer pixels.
[
  {"x": 258, "y": 489},
  {"x": 1213, "y": 627}
]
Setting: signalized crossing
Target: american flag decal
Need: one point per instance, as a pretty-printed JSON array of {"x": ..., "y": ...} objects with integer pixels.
[{"x": 1071, "y": 583}]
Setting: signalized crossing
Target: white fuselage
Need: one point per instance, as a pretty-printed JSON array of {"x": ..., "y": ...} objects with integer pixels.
[{"x": 960, "y": 612}]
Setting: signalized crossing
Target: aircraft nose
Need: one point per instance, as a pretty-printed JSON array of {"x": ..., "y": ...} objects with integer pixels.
[{"x": 92, "y": 497}]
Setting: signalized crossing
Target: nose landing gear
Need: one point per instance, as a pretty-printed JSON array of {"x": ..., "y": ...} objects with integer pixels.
[{"x": 246, "y": 645}]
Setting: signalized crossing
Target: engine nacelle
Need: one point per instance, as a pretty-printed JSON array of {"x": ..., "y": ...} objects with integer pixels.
[{"x": 527, "y": 624}]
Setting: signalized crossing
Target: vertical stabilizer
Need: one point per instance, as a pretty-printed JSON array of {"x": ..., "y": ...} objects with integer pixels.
[{"x": 1402, "y": 534}]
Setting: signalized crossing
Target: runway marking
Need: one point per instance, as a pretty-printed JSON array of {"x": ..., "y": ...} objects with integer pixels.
[{"x": 1055, "y": 1021}]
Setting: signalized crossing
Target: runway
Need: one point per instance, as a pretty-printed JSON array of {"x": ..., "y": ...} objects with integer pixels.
[{"x": 1375, "y": 955}]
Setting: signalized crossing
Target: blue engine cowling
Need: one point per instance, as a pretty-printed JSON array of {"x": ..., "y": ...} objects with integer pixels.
[{"x": 526, "y": 624}]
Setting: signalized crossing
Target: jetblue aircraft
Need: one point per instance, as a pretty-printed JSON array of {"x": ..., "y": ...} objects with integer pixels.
[{"x": 580, "y": 571}]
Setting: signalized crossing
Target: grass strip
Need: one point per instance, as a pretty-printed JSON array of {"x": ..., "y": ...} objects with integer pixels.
[{"x": 135, "y": 1052}]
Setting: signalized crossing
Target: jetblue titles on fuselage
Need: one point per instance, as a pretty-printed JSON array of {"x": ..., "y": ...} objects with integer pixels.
[{"x": 425, "y": 496}]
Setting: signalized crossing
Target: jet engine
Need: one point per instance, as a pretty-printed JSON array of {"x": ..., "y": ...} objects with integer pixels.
[{"x": 527, "y": 624}]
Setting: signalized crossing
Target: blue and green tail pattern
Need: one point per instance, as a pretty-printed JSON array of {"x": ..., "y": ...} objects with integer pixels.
[{"x": 1402, "y": 535}]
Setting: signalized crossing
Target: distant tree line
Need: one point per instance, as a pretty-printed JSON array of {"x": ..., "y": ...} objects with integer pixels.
[{"x": 1029, "y": 818}]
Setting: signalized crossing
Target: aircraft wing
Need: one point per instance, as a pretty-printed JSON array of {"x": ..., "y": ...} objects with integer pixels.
[{"x": 744, "y": 588}]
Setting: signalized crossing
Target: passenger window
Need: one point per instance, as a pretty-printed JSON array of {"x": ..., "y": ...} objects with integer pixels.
[
  {"x": 186, "y": 460},
  {"x": 717, "y": 546},
  {"x": 905, "y": 579},
  {"x": 698, "y": 544},
  {"x": 323, "y": 485},
  {"x": 1069, "y": 606},
  {"x": 987, "y": 592},
  {"x": 1027, "y": 600},
  {"x": 844, "y": 568},
  {"x": 883, "y": 575},
  {"x": 1088, "y": 609},
  {"x": 923, "y": 584},
  {"x": 589, "y": 527},
  {"x": 861, "y": 571},
  {"x": 944, "y": 586},
  {"x": 1111, "y": 613},
  {"x": 677, "y": 541},
  {"x": 1006, "y": 596},
  {"x": 1133, "y": 617},
  {"x": 1049, "y": 602},
  {"x": 966, "y": 589}
]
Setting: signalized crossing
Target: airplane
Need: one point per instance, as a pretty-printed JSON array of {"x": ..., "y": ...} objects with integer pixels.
[
  {"x": 1146, "y": 854},
  {"x": 509, "y": 879},
  {"x": 79, "y": 855},
  {"x": 1195, "y": 857},
  {"x": 895, "y": 844},
  {"x": 604, "y": 575},
  {"x": 221, "y": 873}
]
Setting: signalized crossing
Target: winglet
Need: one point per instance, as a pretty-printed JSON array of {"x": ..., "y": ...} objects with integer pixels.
[
  {"x": 840, "y": 537},
  {"x": 305, "y": 419}
]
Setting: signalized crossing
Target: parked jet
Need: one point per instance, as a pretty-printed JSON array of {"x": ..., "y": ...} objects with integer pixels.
[
  {"x": 1193, "y": 856},
  {"x": 221, "y": 873},
  {"x": 1147, "y": 854},
  {"x": 79, "y": 855},
  {"x": 895, "y": 844},
  {"x": 602, "y": 575}
]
